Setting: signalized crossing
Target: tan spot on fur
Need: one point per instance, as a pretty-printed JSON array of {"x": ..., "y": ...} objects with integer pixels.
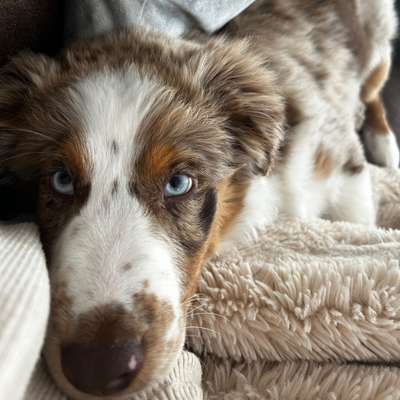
[
  {"x": 376, "y": 118},
  {"x": 323, "y": 163},
  {"x": 375, "y": 82},
  {"x": 158, "y": 159},
  {"x": 231, "y": 194},
  {"x": 75, "y": 155},
  {"x": 152, "y": 309},
  {"x": 157, "y": 349}
]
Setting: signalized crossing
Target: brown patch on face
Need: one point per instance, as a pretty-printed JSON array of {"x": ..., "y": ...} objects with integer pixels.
[
  {"x": 55, "y": 210},
  {"x": 159, "y": 158},
  {"x": 375, "y": 82},
  {"x": 376, "y": 118},
  {"x": 231, "y": 195},
  {"x": 323, "y": 163},
  {"x": 157, "y": 349},
  {"x": 76, "y": 159}
]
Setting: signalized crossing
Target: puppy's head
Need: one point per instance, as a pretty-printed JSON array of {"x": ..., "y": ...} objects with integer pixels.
[{"x": 134, "y": 146}]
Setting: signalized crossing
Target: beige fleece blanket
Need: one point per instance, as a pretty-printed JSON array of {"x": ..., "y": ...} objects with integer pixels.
[{"x": 284, "y": 318}]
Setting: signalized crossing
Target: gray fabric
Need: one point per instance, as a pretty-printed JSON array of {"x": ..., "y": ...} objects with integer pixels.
[{"x": 88, "y": 18}]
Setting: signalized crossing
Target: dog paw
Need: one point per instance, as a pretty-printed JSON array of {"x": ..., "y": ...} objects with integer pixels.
[{"x": 382, "y": 148}]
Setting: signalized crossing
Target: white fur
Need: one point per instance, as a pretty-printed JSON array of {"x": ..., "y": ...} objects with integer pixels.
[
  {"x": 261, "y": 206},
  {"x": 355, "y": 200},
  {"x": 113, "y": 231},
  {"x": 383, "y": 148},
  {"x": 295, "y": 191}
]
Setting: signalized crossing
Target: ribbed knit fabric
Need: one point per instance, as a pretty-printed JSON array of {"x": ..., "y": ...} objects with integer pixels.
[{"x": 24, "y": 307}]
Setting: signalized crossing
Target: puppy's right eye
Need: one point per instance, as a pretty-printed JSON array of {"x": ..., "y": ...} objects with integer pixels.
[
  {"x": 62, "y": 182},
  {"x": 178, "y": 185}
]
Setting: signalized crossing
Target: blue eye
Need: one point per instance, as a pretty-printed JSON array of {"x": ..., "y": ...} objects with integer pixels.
[
  {"x": 62, "y": 183},
  {"x": 178, "y": 185}
]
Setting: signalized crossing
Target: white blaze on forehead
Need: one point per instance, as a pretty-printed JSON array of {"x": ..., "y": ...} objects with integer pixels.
[
  {"x": 111, "y": 249},
  {"x": 112, "y": 105}
]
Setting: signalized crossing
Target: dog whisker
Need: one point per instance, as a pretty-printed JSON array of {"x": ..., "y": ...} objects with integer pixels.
[
  {"x": 211, "y": 314},
  {"x": 204, "y": 329}
]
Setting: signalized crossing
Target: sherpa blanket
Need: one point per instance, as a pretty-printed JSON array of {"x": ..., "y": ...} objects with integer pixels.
[{"x": 310, "y": 310}]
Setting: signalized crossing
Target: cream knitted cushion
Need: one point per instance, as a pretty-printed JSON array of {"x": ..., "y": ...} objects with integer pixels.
[{"x": 24, "y": 307}]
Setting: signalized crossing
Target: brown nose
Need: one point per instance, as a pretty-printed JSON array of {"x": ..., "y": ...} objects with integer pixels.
[{"x": 102, "y": 369}]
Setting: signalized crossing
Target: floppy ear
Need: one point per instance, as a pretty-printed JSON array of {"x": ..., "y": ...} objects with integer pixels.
[
  {"x": 20, "y": 79},
  {"x": 247, "y": 93}
]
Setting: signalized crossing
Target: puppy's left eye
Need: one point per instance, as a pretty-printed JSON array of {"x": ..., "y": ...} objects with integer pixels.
[
  {"x": 62, "y": 183},
  {"x": 178, "y": 185}
]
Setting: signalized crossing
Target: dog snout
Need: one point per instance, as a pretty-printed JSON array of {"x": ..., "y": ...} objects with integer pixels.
[{"x": 106, "y": 369}]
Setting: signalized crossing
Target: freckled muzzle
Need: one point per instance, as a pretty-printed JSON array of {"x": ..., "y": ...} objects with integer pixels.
[{"x": 110, "y": 352}]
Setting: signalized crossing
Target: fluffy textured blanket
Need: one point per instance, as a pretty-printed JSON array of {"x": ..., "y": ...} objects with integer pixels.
[{"x": 289, "y": 317}]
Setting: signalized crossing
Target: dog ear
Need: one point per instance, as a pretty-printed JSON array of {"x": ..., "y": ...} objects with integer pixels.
[
  {"x": 20, "y": 79},
  {"x": 246, "y": 91}
]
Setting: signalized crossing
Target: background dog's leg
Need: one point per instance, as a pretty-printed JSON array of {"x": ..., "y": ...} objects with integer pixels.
[{"x": 379, "y": 139}]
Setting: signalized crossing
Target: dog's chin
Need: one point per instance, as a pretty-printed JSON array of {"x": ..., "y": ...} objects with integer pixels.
[{"x": 144, "y": 381}]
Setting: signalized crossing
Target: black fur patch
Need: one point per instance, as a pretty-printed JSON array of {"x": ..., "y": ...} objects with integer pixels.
[{"x": 208, "y": 210}]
